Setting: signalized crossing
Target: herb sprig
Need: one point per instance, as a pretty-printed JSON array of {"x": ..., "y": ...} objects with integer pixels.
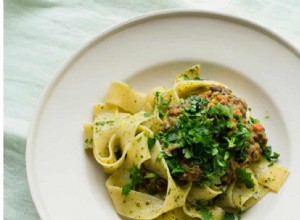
[
  {"x": 245, "y": 177},
  {"x": 135, "y": 178},
  {"x": 270, "y": 156},
  {"x": 141, "y": 178}
]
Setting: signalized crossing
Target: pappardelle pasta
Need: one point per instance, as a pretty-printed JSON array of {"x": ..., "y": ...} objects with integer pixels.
[{"x": 189, "y": 152}]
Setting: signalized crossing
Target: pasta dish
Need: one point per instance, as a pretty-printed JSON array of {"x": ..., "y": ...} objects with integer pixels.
[{"x": 189, "y": 152}]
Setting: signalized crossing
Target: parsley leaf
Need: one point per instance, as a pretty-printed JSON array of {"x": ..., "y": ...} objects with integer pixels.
[
  {"x": 186, "y": 77},
  {"x": 245, "y": 177},
  {"x": 172, "y": 137},
  {"x": 228, "y": 216},
  {"x": 160, "y": 103},
  {"x": 175, "y": 166},
  {"x": 271, "y": 157},
  {"x": 151, "y": 143},
  {"x": 135, "y": 178},
  {"x": 231, "y": 141},
  {"x": 205, "y": 213},
  {"x": 187, "y": 153},
  {"x": 221, "y": 110},
  {"x": 127, "y": 188}
]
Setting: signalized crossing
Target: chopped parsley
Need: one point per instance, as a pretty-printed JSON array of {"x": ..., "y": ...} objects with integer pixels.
[
  {"x": 101, "y": 123},
  {"x": 135, "y": 178},
  {"x": 186, "y": 77},
  {"x": 205, "y": 137},
  {"x": 160, "y": 103},
  {"x": 205, "y": 213},
  {"x": 143, "y": 180},
  {"x": 228, "y": 216},
  {"x": 151, "y": 143},
  {"x": 175, "y": 166},
  {"x": 245, "y": 177},
  {"x": 270, "y": 156}
]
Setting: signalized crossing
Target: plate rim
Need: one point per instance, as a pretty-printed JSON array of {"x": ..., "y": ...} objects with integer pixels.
[{"x": 106, "y": 33}]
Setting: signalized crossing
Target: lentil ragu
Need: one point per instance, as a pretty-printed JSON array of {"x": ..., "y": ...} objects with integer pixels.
[{"x": 209, "y": 135}]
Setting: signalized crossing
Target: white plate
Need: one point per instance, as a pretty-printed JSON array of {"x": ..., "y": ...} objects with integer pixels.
[{"x": 66, "y": 182}]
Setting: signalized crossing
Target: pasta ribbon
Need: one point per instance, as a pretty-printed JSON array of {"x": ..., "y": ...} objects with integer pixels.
[
  {"x": 272, "y": 177},
  {"x": 112, "y": 134},
  {"x": 139, "y": 205},
  {"x": 120, "y": 94}
]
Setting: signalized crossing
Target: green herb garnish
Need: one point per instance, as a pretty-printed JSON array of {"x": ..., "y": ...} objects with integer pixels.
[
  {"x": 245, "y": 177},
  {"x": 270, "y": 156},
  {"x": 205, "y": 213},
  {"x": 151, "y": 143},
  {"x": 228, "y": 216},
  {"x": 135, "y": 178},
  {"x": 160, "y": 103},
  {"x": 203, "y": 136}
]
